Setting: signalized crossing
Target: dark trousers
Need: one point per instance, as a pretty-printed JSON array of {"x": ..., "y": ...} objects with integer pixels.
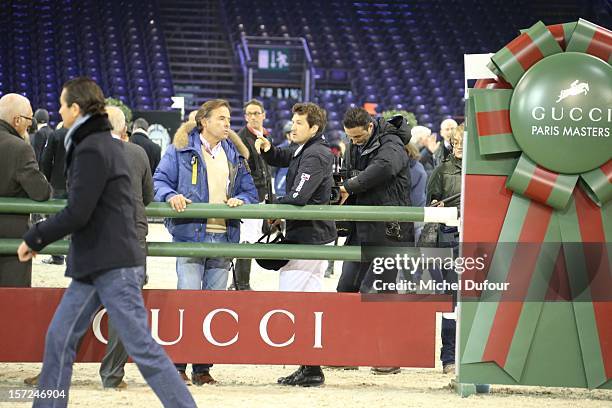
[
  {"x": 359, "y": 277},
  {"x": 449, "y": 331},
  {"x": 449, "y": 326}
]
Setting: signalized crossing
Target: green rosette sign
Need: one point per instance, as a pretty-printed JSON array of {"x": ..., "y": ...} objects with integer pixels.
[{"x": 545, "y": 125}]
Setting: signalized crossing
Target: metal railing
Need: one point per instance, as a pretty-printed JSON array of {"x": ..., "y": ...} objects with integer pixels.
[{"x": 445, "y": 215}]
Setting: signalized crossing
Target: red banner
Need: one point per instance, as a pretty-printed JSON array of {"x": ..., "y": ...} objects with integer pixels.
[{"x": 248, "y": 327}]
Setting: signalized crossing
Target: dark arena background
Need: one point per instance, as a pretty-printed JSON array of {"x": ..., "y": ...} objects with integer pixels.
[
  {"x": 161, "y": 60},
  {"x": 402, "y": 55}
]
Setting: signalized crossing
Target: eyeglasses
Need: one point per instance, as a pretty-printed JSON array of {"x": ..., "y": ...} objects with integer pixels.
[
  {"x": 30, "y": 118},
  {"x": 248, "y": 114}
]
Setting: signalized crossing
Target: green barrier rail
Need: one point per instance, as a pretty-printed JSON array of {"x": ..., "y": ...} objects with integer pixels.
[
  {"x": 262, "y": 251},
  {"x": 273, "y": 211},
  {"x": 194, "y": 249}
]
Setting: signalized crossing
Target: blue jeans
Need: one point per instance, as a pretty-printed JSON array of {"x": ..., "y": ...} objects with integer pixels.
[
  {"x": 119, "y": 290},
  {"x": 203, "y": 274}
]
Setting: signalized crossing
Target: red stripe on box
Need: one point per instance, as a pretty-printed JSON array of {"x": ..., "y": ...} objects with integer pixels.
[
  {"x": 521, "y": 270},
  {"x": 525, "y": 50},
  {"x": 557, "y": 31},
  {"x": 493, "y": 123},
  {"x": 600, "y": 45},
  {"x": 541, "y": 184}
]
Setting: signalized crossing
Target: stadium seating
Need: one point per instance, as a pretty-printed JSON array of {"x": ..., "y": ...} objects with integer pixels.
[
  {"x": 398, "y": 54},
  {"x": 118, "y": 44},
  {"x": 405, "y": 54}
]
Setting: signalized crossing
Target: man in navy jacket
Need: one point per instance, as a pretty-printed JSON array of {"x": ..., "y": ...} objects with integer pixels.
[{"x": 309, "y": 182}]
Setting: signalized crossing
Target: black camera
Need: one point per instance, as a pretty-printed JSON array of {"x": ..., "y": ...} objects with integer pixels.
[
  {"x": 339, "y": 177},
  {"x": 339, "y": 174}
]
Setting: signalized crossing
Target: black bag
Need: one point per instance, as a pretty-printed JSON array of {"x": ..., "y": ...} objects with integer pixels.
[
  {"x": 429, "y": 235},
  {"x": 272, "y": 264},
  {"x": 344, "y": 228}
]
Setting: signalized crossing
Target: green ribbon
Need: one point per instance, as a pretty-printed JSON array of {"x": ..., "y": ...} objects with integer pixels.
[
  {"x": 541, "y": 185},
  {"x": 514, "y": 59},
  {"x": 597, "y": 184}
]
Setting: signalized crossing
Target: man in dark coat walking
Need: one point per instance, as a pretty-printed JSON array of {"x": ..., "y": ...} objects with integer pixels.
[
  {"x": 20, "y": 178},
  {"x": 105, "y": 261}
]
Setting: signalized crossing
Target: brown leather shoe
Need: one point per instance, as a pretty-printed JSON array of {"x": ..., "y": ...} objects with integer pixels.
[
  {"x": 32, "y": 381},
  {"x": 202, "y": 378},
  {"x": 184, "y": 377}
]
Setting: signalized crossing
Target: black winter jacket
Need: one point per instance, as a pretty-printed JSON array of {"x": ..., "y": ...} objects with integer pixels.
[
  {"x": 383, "y": 180},
  {"x": 100, "y": 208},
  {"x": 309, "y": 181}
]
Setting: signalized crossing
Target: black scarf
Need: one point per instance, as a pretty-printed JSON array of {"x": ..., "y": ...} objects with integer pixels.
[{"x": 97, "y": 123}]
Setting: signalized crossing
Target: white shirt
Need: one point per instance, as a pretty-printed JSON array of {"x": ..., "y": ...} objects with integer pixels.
[{"x": 206, "y": 146}]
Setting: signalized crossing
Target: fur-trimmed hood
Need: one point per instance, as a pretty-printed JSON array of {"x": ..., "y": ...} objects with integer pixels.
[{"x": 181, "y": 138}]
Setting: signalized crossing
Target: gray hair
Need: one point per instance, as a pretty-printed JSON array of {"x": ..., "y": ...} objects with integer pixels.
[
  {"x": 12, "y": 105},
  {"x": 418, "y": 133},
  {"x": 116, "y": 117}
]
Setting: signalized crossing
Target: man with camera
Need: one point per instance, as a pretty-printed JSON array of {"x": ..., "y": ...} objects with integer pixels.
[{"x": 377, "y": 174}]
